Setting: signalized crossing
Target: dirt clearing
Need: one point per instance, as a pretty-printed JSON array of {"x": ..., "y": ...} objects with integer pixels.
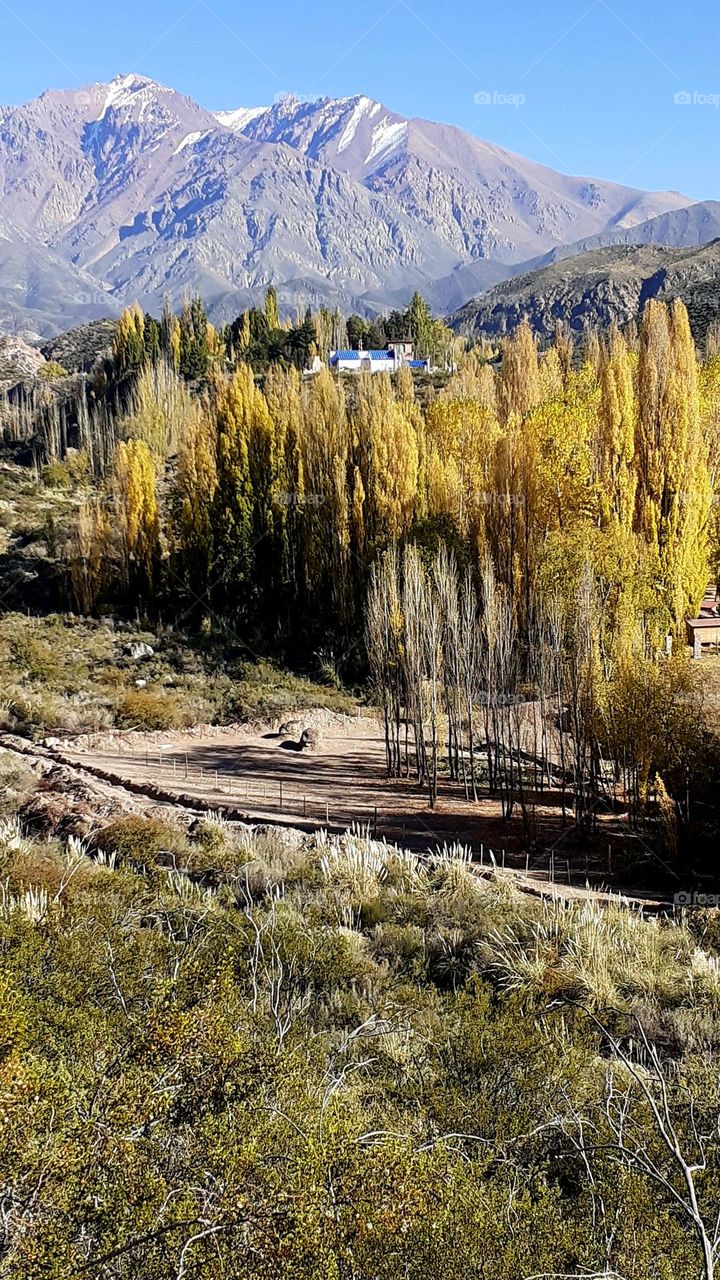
[{"x": 264, "y": 776}]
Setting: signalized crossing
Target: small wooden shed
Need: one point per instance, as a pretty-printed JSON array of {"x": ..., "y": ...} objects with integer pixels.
[{"x": 702, "y": 633}]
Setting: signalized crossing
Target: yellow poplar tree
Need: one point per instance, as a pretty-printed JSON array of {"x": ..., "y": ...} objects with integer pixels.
[
  {"x": 233, "y": 506},
  {"x": 327, "y": 457},
  {"x": 196, "y": 479},
  {"x": 129, "y": 339},
  {"x": 520, "y": 387},
  {"x": 388, "y": 451},
  {"x": 674, "y": 490},
  {"x": 134, "y": 499},
  {"x": 282, "y": 393},
  {"x": 618, "y": 426}
]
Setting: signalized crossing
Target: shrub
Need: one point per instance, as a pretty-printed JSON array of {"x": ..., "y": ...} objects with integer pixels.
[
  {"x": 56, "y": 476},
  {"x": 77, "y": 462},
  {"x": 72, "y": 473},
  {"x": 211, "y": 835},
  {"x": 51, "y": 369},
  {"x": 147, "y": 709},
  {"x": 138, "y": 839}
]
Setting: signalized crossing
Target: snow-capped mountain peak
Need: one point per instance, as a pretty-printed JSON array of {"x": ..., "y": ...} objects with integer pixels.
[
  {"x": 131, "y": 91},
  {"x": 131, "y": 190}
]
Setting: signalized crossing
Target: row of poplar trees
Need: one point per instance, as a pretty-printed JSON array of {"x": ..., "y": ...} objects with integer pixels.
[
  {"x": 530, "y": 533},
  {"x": 268, "y": 504}
]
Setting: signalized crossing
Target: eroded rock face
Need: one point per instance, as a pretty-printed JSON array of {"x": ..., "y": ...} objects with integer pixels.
[
  {"x": 130, "y": 190},
  {"x": 594, "y": 290},
  {"x": 18, "y": 359}
]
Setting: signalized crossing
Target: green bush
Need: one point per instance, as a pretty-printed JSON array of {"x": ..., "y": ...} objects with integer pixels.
[
  {"x": 212, "y": 836},
  {"x": 51, "y": 369},
  {"x": 56, "y": 475},
  {"x": 138, "y": 839}
]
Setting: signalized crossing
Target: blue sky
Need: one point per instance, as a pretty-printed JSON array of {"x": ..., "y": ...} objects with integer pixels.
[{"x": 583, "y": 87}]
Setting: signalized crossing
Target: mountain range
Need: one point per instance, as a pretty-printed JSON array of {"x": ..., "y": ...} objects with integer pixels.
[
  {"x": 132, "y": 191},
  {"x": 600, "y": 287}
]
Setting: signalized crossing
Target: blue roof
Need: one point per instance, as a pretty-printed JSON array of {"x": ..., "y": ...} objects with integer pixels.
[
  {"x": 362, "y": 355},
  {"x": 417, "y": 364}
]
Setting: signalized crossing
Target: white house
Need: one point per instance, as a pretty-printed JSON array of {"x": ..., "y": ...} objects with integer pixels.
[{"x": 390, "y": 360}]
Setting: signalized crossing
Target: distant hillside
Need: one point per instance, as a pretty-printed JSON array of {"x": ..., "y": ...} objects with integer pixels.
[
  {"x": 594, "y": 289},
  {"x": 80, "y": 348},
  {"x": 695, "y": 224}
]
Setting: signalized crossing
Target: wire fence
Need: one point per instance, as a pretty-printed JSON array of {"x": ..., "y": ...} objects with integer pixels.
[
  {"x": 177, "y": 772},
  {"x": 232, "y": 787}
]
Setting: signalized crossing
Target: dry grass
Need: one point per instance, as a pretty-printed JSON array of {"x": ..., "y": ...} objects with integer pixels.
[
  {"x": 431, "y": 913},
  {"x": 609, "y": 957},
  {"x": 63, "y": 675}
]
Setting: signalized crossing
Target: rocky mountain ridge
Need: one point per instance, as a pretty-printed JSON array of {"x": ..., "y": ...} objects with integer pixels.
[{"x": 131, "y": 190}]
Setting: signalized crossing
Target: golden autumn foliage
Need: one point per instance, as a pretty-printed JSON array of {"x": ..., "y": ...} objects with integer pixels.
[
  {"x": 134, "y": 506},
  {"x": 283, "y": 491}
]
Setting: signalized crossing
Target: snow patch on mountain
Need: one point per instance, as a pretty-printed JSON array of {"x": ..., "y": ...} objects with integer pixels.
[
  {"x": 387, "y": 136},
  {"x": 363, "y": 106},
  {"x": 239, "y": 119},
  {"x": 189, "y": 141}
]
